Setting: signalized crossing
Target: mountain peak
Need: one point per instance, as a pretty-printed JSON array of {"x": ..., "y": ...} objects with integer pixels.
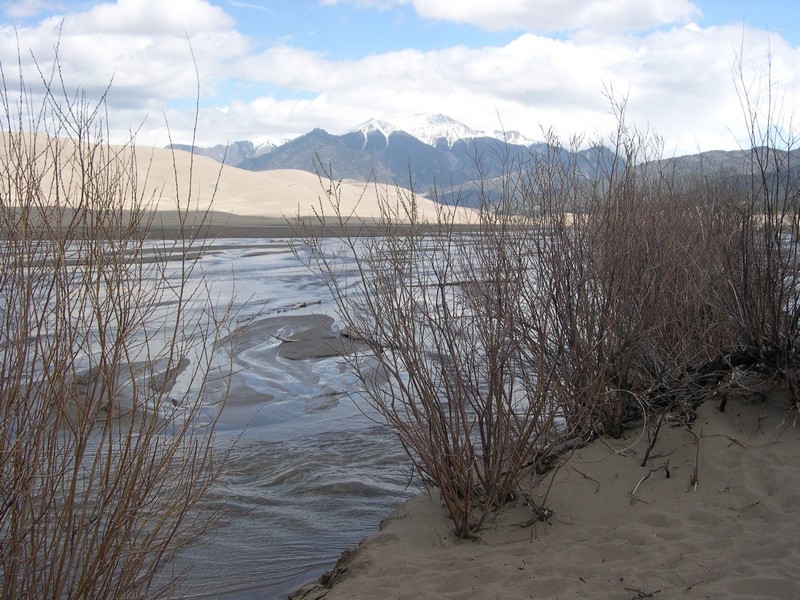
[
  {"x": 429, "y": 128},
  {"x": 373, "y": 125},
  {"x": 435, "y": 129}
]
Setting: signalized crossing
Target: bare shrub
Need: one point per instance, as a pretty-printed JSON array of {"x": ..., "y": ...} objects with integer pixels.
[
  {"x": 104, "y": 450},
  {"x": 761, "y": 301},
  {"x": 569, "y": 307},
  {"x": 452, "y": 366},
  {"x": 595, "y": 288},
  {"x": 620, "y": 261}
]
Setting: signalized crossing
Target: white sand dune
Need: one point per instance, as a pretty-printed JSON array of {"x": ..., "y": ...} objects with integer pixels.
[
  {"x": 173, "y": 180},
  {"x": 275, "y": 194},
  {"x": 733, "y": 535}
]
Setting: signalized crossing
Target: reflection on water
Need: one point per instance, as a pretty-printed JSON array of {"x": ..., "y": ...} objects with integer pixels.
[{"x": 312, "y": 474}]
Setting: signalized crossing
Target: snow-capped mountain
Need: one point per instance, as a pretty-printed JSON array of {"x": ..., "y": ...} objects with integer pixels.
[
  {"x": 264, "y": 144},
  {"x": 435, "y": 129},
  {"x": 375, "y": 125},
  {"x": 424, "y": 151},
  {"x": 513, "y": 137}
]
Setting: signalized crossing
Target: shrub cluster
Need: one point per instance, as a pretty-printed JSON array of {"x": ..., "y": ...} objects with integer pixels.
[{"x": 578, "y": 303}]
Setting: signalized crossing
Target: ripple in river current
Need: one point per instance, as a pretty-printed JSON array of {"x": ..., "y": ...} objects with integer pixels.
[
  {"x": 292, "y": 506},
  {"x": 311, "y": 475}
]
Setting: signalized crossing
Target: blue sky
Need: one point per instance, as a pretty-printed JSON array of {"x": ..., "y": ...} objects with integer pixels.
[{"x": 274, "y": 69}]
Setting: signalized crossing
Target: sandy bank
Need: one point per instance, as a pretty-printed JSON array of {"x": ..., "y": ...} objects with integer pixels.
[{"x": 732, "y": 535}]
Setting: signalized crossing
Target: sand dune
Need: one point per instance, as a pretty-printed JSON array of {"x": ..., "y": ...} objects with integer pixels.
[
  {"x": 270, "y": 194},
  {"x": 733, "y": 535},
  {"x": 259, "y": 204},
  {"x": 252, "y": 199}
]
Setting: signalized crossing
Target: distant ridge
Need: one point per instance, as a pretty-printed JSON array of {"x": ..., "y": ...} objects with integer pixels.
[
  {"x": 421, "y": 151},
  {"x": 428, "y": 152},
  {"x": 437, "y": 129}
]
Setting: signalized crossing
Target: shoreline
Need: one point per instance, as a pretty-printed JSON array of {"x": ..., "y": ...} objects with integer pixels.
[
  {"x": 227, "y": 225},
  {"x": 618, "y": 530},
  {"x": 219, "y": 224}
]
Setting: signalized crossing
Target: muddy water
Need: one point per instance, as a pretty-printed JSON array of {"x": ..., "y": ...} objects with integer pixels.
[{"x": 312, "y": 471}]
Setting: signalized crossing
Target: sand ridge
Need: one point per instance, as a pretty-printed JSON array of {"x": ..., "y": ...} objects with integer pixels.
[{"x": 732, "y": 535}]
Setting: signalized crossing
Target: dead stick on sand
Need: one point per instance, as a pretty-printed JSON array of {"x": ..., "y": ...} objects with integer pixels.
[
  {"x": 733, "y": 441},
  {"x": 640, "y": 593},
  {"x": 695, "y": 472},
  {"x": 664, "y": 467},
  {"x": 746, "y": 506},
  {"x": 585, "y": 476},
  {"x": 652, "y": 443}
]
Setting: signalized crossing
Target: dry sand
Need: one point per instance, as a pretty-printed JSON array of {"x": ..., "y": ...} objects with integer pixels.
[
  {"x": 268, "y": 203},
  {"x": 265, "y": 194},
  {"x": 247, "y": 203},
  {"x": 736, "y": 534}
]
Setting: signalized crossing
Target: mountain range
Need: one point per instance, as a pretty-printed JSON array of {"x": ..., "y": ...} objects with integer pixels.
[
  {"x": 419, "y": 151},
  {"x": 424, "y": 151}
]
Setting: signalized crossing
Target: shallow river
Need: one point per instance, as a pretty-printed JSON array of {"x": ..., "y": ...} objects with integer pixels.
[{"x": 313, "y": 472}]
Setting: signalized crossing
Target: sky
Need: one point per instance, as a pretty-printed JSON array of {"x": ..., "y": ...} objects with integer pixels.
[{"x": 275, "y": 69}]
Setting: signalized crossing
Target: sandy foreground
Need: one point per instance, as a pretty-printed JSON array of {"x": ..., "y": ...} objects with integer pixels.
[{"x": 736, "y": 534}]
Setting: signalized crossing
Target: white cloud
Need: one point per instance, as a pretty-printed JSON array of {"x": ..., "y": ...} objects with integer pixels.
[
  {"x": 546, "y": 16},
  {"x": 144, "y": 45},
  {"x": 151, "y": 17},
  {"x": 678, "y": 81}
]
